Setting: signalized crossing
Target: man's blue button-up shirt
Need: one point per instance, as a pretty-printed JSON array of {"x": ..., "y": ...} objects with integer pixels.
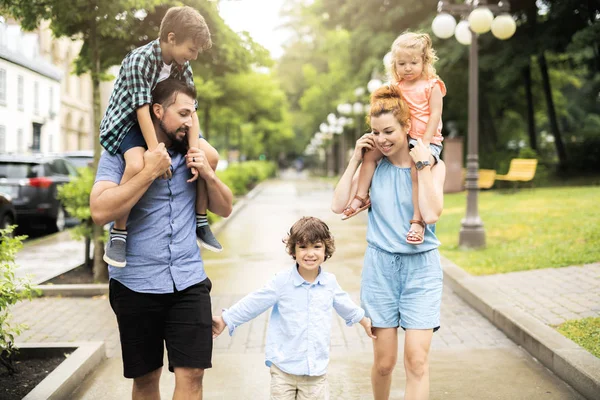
[
  {"x": 299, "y": 333},
  {"x": 162, "y": 254}
]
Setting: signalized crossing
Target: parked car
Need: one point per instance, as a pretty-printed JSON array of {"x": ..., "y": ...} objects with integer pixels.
[
  {"x": 8, "y": 214},
  {"x": 79, "y": 158},
  {"x": 32, "y": 181}
]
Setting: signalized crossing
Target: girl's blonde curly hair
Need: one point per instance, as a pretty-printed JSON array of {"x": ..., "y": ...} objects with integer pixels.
[{"x": 414, "y": 41}]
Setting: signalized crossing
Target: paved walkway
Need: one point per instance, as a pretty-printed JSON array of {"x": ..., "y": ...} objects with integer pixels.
[
  {"x": 44, "y": 258},
  {"x": 553, "y": 295},
  {"x": 470, "y": 359}
]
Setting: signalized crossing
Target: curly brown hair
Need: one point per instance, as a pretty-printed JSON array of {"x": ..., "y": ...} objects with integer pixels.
[{"x": 309, "y": 230}]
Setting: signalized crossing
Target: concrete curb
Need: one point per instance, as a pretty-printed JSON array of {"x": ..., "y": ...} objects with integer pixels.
[
  {"x": 63, "y": 381},
  {"x": 572, "y": 363},
  {"x": 74, "y": 290}
]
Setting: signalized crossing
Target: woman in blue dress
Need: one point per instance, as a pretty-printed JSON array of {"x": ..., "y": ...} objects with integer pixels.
[{"x": 401, "y": 284}]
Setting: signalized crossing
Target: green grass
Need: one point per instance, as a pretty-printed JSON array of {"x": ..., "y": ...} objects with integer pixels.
[
  {"x": 527, "y": 229},
  {"x": 585, "y": 332}
]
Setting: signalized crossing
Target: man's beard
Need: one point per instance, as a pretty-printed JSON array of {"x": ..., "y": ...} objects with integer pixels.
[{"x": 177, "y": 144}]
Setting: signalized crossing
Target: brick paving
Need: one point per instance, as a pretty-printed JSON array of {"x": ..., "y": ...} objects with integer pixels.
[
  {"x": 254, "y": 252},
  {"x": 553, "y": 295},
  {"x": 55, "y": 319}
]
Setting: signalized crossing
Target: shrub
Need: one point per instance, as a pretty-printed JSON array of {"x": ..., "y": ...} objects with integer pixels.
[
  {"x": 12, "y": 290},
  {"x": 75, "y": 197},
  {"x": 244, "y": 176}
]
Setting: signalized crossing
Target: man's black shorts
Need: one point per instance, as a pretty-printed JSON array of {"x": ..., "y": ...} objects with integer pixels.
[{"x": 182, "y": 320}]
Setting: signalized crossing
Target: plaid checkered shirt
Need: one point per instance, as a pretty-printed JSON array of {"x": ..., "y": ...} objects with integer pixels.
[{"x": 137, "y": 78}]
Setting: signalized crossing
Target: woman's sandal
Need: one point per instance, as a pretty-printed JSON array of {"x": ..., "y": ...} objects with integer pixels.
[
  {"x": 413, "y": 237},
  {"x": 350, "y": 212}
]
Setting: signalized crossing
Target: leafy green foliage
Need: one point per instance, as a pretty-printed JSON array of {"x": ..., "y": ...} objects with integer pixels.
[
  {"x": 12, "y": 290},
  {"x": 75, "y": 197},
  {"x": 242, "y": 177},
  {"x": 565, "y": 32}
]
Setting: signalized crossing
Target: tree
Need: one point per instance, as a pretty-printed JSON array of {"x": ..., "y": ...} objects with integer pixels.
[
  {"x": 101, "y": 25},
  {"x": 12, "y": 290}
]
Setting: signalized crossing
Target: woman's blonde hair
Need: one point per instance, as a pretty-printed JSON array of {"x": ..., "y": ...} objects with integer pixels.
[
  {"x": 414, "y": 41},
  {"x": 387, "y": 99}
]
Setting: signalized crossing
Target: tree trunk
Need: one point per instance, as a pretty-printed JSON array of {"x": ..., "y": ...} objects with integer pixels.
[
  {"x": 530, "y": 111},
  {"x": 100, "y": 268},
  {"x": 488, "y": 133},
  {"x": 206, "y": 121},
  {"x": 560, "y": 147}
]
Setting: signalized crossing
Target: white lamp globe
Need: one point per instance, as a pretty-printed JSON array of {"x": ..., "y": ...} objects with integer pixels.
[
  {"x": 331, "y": 119},
  {"x": 504, "y": 26},
  {"x": 443, "y": 25},
  {"x": 480, "y": 20},
  {"x": 357, "y": 108},
  {"x": 387, "y": 60},
  {"x": 344, "y": 109},
  {"x": 463, "y": 33},
  {"x": 373, "y": 85}
]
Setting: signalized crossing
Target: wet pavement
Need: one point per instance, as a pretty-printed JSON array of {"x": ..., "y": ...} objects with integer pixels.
[
  {"x": 470, "y": 358},
  {"x": 44, "y": 258}
]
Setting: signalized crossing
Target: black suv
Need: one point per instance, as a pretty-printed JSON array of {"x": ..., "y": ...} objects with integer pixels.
[{"x": 32, "y": 181}]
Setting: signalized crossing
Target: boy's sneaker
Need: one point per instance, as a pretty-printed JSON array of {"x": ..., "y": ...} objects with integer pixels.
[
  {"x": 115, "y": 251},
  {"x": 206, "y": 239}
]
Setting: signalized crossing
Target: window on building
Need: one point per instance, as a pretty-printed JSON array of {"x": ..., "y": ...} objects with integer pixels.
[
  {"x": 36, "y": 98},
  {"x": 2, "y": 86},
  {"x": 20, "y": 141},
  {"x": 20, "y": 93},
  {"x": 2, "y": 139},
  {"x": 51, "y": 102}
]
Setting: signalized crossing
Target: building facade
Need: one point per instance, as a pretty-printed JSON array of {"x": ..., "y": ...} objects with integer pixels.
[
  {"x": 76, "y": 118},
  {"x": 30, "y": 102}
]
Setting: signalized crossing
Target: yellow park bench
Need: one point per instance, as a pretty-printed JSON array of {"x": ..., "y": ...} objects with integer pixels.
[
  {"x": 521, "y": 169},
  {"x": 486, "y": 178}
]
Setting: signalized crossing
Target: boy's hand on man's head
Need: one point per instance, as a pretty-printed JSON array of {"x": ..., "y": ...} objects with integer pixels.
[
  {"x": 366, "y": 323},
  {"x": 218, "y": 325}
]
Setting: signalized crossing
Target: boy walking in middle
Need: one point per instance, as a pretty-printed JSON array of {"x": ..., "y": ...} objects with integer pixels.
[{"x": 302, "y": 298}]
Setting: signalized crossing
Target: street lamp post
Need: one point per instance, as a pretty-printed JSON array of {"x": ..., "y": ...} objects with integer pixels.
[{"x": 480, "y": 20}]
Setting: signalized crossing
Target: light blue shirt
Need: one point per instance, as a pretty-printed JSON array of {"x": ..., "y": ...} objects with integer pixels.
[
  {"x": 299, "y": 332},
  {"x": 162, "y": 253}
]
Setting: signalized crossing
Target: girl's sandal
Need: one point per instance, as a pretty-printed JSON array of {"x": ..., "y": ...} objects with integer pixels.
[
  {"x": 350, "y": 212},
  {"x": 413, "y": 237}
]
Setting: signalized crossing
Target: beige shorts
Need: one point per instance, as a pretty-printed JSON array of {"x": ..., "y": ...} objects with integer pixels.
[{"x": 285, "y": 386}]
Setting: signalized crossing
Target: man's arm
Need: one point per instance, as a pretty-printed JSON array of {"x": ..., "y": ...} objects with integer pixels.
[
  {"x": 220, "y": 197},
  {"x": 110, "y": 201}
]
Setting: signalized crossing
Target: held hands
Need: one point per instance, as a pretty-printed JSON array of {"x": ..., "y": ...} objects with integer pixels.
[
  {"x": 158, "y": 162},
  {"x": 218, "y": 325},
  {"x": 420, "y": 152},
  {"x": 363, "y": 144},
  {"x": 366, "y": 323},
  {"x": 196, "y": 160}
]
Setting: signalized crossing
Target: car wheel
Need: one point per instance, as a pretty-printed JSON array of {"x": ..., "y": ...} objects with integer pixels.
[
  {"x": 6, "y": 221},
  {"x": 58, "y": 223},
  {"x": 61, "y": 219}
]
